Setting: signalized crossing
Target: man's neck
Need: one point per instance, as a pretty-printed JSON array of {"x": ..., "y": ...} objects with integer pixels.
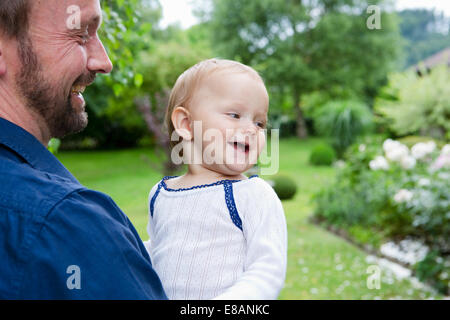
[{"x": 17, "y": 113}]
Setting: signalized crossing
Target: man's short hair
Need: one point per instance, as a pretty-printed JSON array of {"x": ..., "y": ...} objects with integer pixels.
[{"x": 14, "y": 18}]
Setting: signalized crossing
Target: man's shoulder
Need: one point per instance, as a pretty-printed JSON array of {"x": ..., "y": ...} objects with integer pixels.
[{"x": 29, "y": 190}]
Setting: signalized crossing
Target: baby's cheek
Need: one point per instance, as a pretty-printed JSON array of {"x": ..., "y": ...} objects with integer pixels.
[{"x": 261, "y": 141}]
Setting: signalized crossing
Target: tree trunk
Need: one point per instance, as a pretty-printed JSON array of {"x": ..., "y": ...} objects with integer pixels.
[{"x": 302, "y": 131}]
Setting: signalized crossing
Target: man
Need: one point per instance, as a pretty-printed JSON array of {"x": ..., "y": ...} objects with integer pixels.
[{"x": 58, "y": 240}]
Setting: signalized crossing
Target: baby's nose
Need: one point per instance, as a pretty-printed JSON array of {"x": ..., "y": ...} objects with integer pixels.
[{"x": 250, "y": 128}]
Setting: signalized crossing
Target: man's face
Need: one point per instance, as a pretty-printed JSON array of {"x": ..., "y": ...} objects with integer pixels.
[{"x": 59, "y": 59}]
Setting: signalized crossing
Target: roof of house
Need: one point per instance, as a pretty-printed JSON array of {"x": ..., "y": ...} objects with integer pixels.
[{"x": 439, "y": 58}]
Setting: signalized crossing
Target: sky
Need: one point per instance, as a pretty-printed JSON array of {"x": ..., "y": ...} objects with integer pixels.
[
  {"x": 177, "y": 11},
  {"x": 181, "y": 10}
]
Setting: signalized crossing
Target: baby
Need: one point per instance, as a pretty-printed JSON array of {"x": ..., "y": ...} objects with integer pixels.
[{"x": 215, "y": 233}]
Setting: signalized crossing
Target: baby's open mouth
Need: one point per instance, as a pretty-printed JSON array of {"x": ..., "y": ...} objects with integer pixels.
[{"x": 244, "y": 147}]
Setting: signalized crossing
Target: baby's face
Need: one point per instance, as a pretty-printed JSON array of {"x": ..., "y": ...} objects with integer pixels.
[{"x": 232, "y": 108}]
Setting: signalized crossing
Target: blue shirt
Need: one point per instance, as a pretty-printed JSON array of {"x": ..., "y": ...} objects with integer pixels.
[{"x": 60, "y": 240}]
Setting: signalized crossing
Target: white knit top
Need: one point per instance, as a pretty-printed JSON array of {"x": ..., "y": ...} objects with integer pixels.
[{"x": 225, "y": 240}]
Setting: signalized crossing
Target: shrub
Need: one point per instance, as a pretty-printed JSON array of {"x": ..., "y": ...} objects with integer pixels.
[
  {"x": 322, "y": 155},
  {"x": 398, "y": 192},
  {"x": 410, "y": 141},
  {"x": 434, "y": 269},
  {"x": 417, "y": 105},
  {"x": 343, "y": 121},
  {"x": 347, "y": 204},
  {"x": 283, "y": 123},
  {"x": 53, "y": 145},
  {"x": 284, "y": 186}
]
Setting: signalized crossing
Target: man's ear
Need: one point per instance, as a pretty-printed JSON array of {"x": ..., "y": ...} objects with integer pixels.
[{"x": 181, "y": 119}]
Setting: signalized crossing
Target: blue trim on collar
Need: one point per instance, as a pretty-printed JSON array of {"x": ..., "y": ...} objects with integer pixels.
[
  {"x": 153, "y": 199},
  {"x": 31, "y": 150},
  {"x": 229, "y": 199},
  {"x": 199, "y": 186}
]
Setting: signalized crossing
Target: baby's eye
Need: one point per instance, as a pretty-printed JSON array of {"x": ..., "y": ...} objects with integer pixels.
[
  {"x": 234, "y": 115},
  {"x": 262, "y": 125}
]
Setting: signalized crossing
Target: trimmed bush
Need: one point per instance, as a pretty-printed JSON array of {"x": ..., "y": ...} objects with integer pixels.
[
  {"x": 284, "y": 187},
  {"x": 322, "y": 155}
]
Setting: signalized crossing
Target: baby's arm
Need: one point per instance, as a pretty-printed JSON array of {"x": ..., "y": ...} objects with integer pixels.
[
  {"x": 264, "y": 228},
  {"x": 152, "y": 193}
]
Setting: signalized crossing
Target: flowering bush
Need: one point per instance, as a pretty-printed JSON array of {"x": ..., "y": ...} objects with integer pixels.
[{"x": 395, "y": 192}]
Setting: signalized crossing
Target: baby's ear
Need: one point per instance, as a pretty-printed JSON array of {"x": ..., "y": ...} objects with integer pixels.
[{"x": 181, "y": 119}]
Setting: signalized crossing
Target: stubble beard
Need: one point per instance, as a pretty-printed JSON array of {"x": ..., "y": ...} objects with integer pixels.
[{"x": 48, "y": 101}]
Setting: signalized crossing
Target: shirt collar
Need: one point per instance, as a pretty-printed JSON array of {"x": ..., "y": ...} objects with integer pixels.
[{"x": 30, "y": 149}]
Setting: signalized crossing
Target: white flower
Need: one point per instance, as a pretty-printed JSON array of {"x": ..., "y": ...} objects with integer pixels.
[
  {"x": 446, "y": 150},
  {"x": 443, "y": 161},
  {"x": 444, "y": 176},
  {"x": 407, "y": 162},
  {"x": 362, "y": 147},
  {"x": 423, "y": 182},
  {"x": 379, "y": 163},
  {"x": 398, "y": 152},
  {"x": 421, "y": 149},
  {"x": 431, "y": 145},
  {"x": 403, "y": 195},
  {"x": 390, "y": 144}
]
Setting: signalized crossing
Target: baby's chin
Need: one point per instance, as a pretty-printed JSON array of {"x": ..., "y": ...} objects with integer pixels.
[
  {"x": 229, "y": 162},
  {"x": 230, "y": 169},
  {"x": 238, "y": 168}
]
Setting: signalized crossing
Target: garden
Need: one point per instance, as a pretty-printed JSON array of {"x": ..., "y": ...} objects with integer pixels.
[{"x": 364, "y": 123}]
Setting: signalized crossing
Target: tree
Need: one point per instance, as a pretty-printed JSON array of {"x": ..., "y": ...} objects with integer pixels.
[
  {"x": 303, "y": 46},
  {"x": 124, "y": 33},
  {"x": 176, "y": 50},
  {"x": 147, "y": 61},
  {"x": 426, "y": 32}
]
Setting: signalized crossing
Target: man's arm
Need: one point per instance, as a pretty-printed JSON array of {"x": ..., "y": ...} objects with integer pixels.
[{"x": 88, "y": 249}]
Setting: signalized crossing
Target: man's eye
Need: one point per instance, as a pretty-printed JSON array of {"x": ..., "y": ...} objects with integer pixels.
[
  {"x": 84, "y": 37},
  {"x": 262, "y": 125}
]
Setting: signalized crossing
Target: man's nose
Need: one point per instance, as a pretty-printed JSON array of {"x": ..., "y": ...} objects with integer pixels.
[{"x": 98, "y": 59}]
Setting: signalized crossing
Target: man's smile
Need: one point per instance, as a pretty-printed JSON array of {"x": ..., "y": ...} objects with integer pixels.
[{"x": 78, "y": 89}]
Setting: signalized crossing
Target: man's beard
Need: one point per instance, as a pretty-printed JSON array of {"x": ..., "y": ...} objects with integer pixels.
[{"x": 50, "y": 102}]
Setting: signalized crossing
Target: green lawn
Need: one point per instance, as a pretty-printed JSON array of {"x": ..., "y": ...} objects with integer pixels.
[{"x": 320, "y": 265}]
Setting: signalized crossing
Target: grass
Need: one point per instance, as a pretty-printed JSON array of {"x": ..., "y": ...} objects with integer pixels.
[{"x": 320, "y": 264}]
